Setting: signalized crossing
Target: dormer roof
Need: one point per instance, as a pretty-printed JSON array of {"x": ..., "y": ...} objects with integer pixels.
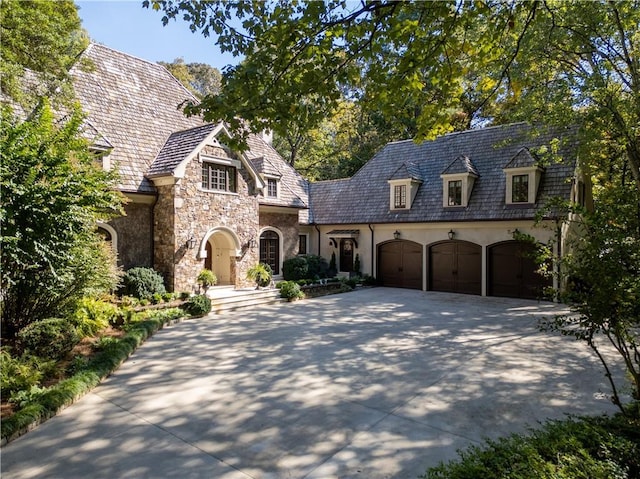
[
  {"x": 522, "y": 159},
  {"x": 407, "y": 170},
  {"x": 462, "y": 164}
]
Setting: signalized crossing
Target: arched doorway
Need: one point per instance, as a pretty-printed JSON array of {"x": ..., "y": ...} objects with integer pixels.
[
  {"x": 513, "y": 271},
  {"x": 456, "y": 267},
  {"x": 400, "y": 264},
  {"x": 219, "y": 252},
  {"x": 270, "y": 250}
]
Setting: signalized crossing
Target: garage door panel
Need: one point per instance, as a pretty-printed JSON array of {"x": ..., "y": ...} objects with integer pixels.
[
  {"x": 456, "y": 267},
  {"x": 400, "y": 264},
  {"x": 513, "y": 271}
]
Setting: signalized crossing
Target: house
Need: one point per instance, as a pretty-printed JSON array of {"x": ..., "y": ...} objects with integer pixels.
[
  {"x": 192, "y": 202},
  {"x": 444, "y": 215},
  {"x": 447, "y": 214}
]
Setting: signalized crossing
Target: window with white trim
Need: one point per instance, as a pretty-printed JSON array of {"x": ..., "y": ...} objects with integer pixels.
[
  {"x": 522, "y": 184},
  {"x": 400, "y": 196},
  {"x": 272, "y": 188},
  {"x": 455, "y": 193},
  {"x": 218, "y": 177},
  {"x": 520, "y": 189}
]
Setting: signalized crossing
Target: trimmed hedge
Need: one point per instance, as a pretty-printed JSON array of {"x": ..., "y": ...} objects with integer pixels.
[
  {"x": 50, "y": 338},
  {"x": 142, "y": 283}
]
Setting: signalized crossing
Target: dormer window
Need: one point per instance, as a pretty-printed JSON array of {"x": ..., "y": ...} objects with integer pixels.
[
  {"x": 457, "y": 182},
  {"x": 403, "y": 186},
  {"x": 454, "y": 193},
  {"x": 400, "y": 196},
  {"x": 272, "y": 188},
  {"x": 523, "y": 177}
]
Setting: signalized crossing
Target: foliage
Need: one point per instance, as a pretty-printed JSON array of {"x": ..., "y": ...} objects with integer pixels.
[
  {"x": 199, "y": 78},
  {"x": 44, "y": 37},
  {"x": 92, "y": 316},
  {"x": 207, "y": 278},
  {"x": 602, "y": 268},
  {"x": 333, "y": 268},
  {"x": 198, "y": 305},
  {"x": 49, "y": 338},
  {"x": 593, "y": 448},
  {"x": 356, "y": 265},
  {"x": 290, "y": 290},
  {"x": 317, "y": 266},
  {"x": 369, "y": 280},
  {"x": 261, "y": 274},
  {"x": 21, "y": 398},
  {"x": 21, "y": 373},
  {"x": 295, "y": 268},
  {"x": 52, "y": 195},
  {"x": 142, "y": 283}
]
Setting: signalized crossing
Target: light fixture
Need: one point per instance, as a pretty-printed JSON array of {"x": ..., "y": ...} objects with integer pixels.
[
  {"x": 451, "y": 234},
  {"x": 515, "y": 233},
  {"x": 396, "y": 234},
  {"x": 251, "y": 243},
  {"x": 191, "y": 243}
]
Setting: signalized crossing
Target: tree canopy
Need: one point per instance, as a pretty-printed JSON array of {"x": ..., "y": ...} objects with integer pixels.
[
  {"x": 201, "y": 79},
  {"x": 434, "y": 66}
]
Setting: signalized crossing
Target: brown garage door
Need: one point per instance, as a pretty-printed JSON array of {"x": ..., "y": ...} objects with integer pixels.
[
  {"x": 400, "y": 264},
  {"x": 512, "y": 271},
  {"x": 456, "y": 267}
]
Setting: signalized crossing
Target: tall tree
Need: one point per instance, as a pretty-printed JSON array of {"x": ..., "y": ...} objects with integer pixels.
[
  {"x": 201, "y": 79},
  {"x": 42, "y": 36}
]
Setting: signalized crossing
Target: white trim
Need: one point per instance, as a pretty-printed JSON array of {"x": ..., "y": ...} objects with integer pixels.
[
  {"x": 534, "y": 173},
  {"x": 227, "y": 232},
  {"x": 411, "y": 186},
  {"x": 468, "y": 180},
  {"x": 112, "y": 232}
]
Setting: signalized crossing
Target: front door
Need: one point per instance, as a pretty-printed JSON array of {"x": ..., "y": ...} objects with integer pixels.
[
  {"x": 270, "y": 250},
  {"x": 346, "y": 255}
]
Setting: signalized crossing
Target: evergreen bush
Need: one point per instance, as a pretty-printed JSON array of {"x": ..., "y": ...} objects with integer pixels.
[
  {"x": 290, "y": 290},
  {"x": 50, "y": 338},
  {"x": 198, "y": 305},
  {"x": 295, "y": 268},
  {"x": 142, "y": 283}
]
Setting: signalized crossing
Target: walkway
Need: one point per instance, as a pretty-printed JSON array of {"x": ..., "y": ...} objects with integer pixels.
[{"x": 378, "y": 383}]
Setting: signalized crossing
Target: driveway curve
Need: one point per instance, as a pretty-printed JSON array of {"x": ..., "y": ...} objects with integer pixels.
[{"x": 378, "y": 383}]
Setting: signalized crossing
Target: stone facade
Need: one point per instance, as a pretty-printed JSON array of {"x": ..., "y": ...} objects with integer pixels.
[
  {"x": 228, "y": 221},
  {"x": 287, "y": 224},
  {"x": 135, "y": 235}
]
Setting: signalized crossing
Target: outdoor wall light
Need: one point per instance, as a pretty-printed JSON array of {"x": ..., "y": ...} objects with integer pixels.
[
  {"x": 515, "y": 233},
  {"x": 191, "y": 243},
  {"x": 451, "y": 234},
  {"x": 251, "y": 243},
  {"x": 396, "y": 234}
]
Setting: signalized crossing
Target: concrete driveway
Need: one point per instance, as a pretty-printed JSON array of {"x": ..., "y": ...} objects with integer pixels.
[{"x": 378, "y": 383}]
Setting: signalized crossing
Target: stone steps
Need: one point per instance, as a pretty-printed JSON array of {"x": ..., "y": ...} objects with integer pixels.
[{"x": 229, "y": 299}]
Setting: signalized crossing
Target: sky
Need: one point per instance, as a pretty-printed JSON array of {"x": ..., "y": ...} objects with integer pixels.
[{"x": 125, "y": 26}]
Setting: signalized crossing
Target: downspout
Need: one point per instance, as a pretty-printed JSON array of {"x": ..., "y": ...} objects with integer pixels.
[
  {"x": 372, "y": 252},
  {"x": 558, "y": 266},
  {"x": 318, "y": 230}
]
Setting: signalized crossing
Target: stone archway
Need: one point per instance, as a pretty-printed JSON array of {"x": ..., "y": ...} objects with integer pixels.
[{"x": 219, "y": 249}]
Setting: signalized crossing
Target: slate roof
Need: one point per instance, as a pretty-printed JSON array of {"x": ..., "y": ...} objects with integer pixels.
[
  {"x": 523, "y": 158},
  {"x": 294, "y": 190},
  {"x": 134, "y": 104},
  {"x": 408, "y": 169},
  {"x": 364, "y": 198},
  {"x": 462, "y": 164}
]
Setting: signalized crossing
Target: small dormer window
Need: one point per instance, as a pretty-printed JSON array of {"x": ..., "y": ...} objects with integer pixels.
[
  {"x": 520, "y": 189},
  {"x": 455, "y": 193},
  {"x": 272, "y": 187},
  {"x": 400, "y": 196}
]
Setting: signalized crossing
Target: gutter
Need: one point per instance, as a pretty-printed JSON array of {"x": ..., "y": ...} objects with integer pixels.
[{"x": 319, "y": 238}]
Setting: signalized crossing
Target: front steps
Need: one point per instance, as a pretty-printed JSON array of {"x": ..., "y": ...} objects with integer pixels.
[{"x": 226, "y": 298}]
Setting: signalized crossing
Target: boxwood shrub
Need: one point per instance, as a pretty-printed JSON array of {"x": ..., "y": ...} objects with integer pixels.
[
  {"x": 198, "y": 305},
  {"x": 49, "y": 338},
  {"x": 142, "y": 283}
]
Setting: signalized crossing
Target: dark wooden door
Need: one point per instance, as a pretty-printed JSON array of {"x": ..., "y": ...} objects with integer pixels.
[
  {"x": 400, "y": 264},
  {"x": 513, "y": 271},
  {"x": 270, "y": 250},
  {"x": 456, "y": 267}
]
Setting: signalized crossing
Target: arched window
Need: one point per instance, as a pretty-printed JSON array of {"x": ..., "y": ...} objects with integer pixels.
[{"x": 109, "y": 234}]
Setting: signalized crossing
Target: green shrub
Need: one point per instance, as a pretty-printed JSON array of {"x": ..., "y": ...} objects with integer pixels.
[
  {"x": 351, "y": 282},
  {"x": 168, "y": 297},
  {"x": 198, "y": 305},
  {"x": 594, "y": 448},
  {"x": 369, "y": 280},
  {"x": 17, "y": 374},
  {"x": 156, "y": 298},
  {"x": 261, "y": 274},
  {"x": 295, "y": 268},
  {"x": 92, "y": 316},
  {"x": 166, "y": 315},
  {"x": 184, "y": 295},
  {"x": 50, "y": 338},
  {"x": 207, "y": 278},
  {"x": 142, "y": 283},
  {"x": 290, "y": 290},
  {"x": 317, "y": 266},
  {"x": 23, "y": 397}
]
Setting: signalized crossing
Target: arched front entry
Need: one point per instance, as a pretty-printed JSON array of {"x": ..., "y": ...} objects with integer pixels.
[
  {"x": 456, "y": 267},
  {"x": 400, "y": 264},
  {"x": 219, "y": 250},
  {"x": 512, "y": 271}
]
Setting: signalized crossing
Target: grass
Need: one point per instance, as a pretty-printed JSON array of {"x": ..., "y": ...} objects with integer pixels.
[
  {"x": 45, "y": 404},
  {"x": 604, "y": 447}
]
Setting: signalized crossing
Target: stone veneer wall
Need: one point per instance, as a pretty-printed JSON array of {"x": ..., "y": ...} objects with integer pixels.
[
  {"x": 189, "y": 211},
  {"x": 288, "y": 225},
  {"x": 135, "y": 237}
]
